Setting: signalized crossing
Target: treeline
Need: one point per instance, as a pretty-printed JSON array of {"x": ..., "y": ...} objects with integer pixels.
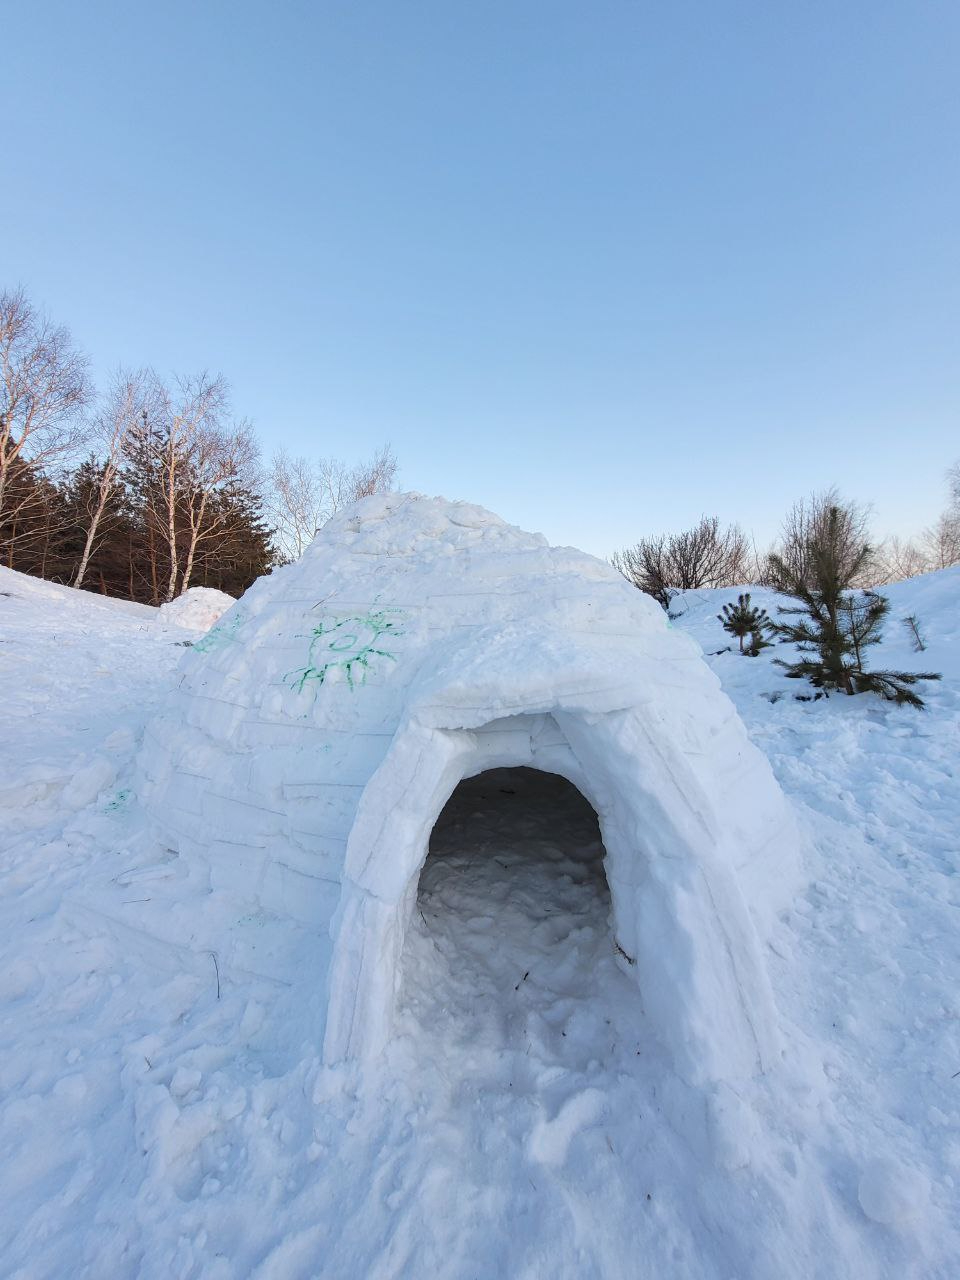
[
  {"x": 151, "y": 486},
  {"x": 713, "y": 555}
]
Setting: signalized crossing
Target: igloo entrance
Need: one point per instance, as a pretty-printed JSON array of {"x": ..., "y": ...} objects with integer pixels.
[
  {"x": 512, "y": 917},
  {"x": 676, "y": 932},
  {"x": 517, "y": 818}
]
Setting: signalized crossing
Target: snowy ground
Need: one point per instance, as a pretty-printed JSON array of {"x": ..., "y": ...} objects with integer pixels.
[{"x": 161, "y": 1119}]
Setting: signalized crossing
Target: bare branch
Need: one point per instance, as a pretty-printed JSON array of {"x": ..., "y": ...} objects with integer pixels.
[
  {"x": 704, "y": 556},
  {"x": 808, "y": 525},
  {"x": 941, "y": 541},
  {"x": 303, "y": 494},
  {"x": 44, "y": 385},
  {"x": 901, "y": 558}
]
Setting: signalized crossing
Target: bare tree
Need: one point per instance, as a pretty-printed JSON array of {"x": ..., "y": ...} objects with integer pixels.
[
  {"x": 304, "y": 493},
  {"x": 806, "y": 528},
  {"x": 44, "y": 385},
  {"x": 646, "y": 565},
  {"x": 219, "y": 457},
  {"x": 116, "y": 424},
  {"x": 708, "y": 556},
  {"x": 938, "y": 546},
  {"x": 900, "y": 558},
  {"x": 295, "y": 503},
  {"x": 189, "y": 414},
  {"x": 377, "y": 475},
  {"x": 704, "y": 556},
  {"x": 942, "y": 541}
]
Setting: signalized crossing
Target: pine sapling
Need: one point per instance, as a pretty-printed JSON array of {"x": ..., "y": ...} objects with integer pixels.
[
  {"x": 743, "y": 620},
  {"x": 833, "y": 623},
  {"x": 864, "y": 615},
  {"x": 912, "y": 623}
]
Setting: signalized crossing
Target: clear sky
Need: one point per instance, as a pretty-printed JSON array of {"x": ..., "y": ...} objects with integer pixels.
[{"x": 599, "y": 265}]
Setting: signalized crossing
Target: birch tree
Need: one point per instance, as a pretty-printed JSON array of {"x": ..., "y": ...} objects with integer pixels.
[
  {"x": 122, "y": 416},
  {"x": 193, "y": 409},
  {"x": 220, "y": 457}
]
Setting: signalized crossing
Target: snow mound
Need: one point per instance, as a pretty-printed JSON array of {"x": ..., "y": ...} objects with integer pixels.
[
  {"x": 196, "y": 610},
  {"x": 320, "y": 727}
]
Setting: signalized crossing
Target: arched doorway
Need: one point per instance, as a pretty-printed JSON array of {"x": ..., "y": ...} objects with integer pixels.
[
  {"x": 676, "y": 908},
  {"x": 512, "y": 929}
]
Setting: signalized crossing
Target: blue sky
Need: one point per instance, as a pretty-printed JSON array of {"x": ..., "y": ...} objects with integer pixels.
[{"x": 599, "y": 266}]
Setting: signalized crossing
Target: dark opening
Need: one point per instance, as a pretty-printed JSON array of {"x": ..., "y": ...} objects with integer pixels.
[
  {"x": 513, "y": 909},
  {"x": 523, "y": 820}
]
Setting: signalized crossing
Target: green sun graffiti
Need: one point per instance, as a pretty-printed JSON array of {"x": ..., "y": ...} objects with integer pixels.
[{"x": 349, "y": 644}]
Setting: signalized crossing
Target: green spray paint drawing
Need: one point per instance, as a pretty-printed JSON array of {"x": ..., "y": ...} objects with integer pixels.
[
  {"x": 223, "y": 633},
  {"x": 348, "y": 644}
]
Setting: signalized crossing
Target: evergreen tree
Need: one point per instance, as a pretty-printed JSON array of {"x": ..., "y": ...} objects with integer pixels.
[
  {"x": 742, "y": 620},
  {"x": 30, "y": 519},
  {"x": 80, "y": 492},
  {"x": 148, "y": 566},
  {"x": 834, "y": 624},
  {"x": 243, "y": 550}
]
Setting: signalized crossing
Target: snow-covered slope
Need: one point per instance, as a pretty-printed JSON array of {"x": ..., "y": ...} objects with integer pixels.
[{"x": 160, "y": 1117}]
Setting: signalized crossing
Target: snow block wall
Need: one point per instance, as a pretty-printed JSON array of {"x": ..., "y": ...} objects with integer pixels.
[{"x": 319, "y": 728}]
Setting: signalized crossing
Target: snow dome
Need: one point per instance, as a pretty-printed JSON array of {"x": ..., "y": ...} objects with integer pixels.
[{"x": 320, "y": 728}]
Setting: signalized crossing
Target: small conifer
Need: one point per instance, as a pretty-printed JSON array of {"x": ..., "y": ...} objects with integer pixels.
[
  {"x": 833, "y": 621},
  {"x": 743, "y": 620}
]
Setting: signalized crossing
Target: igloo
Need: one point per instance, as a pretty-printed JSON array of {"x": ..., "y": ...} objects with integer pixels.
[{"x": 319, "y": 729}]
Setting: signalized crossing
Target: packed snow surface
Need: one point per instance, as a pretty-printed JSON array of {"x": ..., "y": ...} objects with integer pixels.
[
  {"x": 164, "y": 1115},
  {"x": 197, "y": 609}
]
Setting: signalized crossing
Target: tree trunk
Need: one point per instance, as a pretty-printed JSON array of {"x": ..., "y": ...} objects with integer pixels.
[
  {"x": 106, "y": 488},
  {"x": 172, "y": 537},
  {"x": 88, "y": 544},
  {"x": 195, "y": 527},
  {"x": 152, "y": 543}
]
